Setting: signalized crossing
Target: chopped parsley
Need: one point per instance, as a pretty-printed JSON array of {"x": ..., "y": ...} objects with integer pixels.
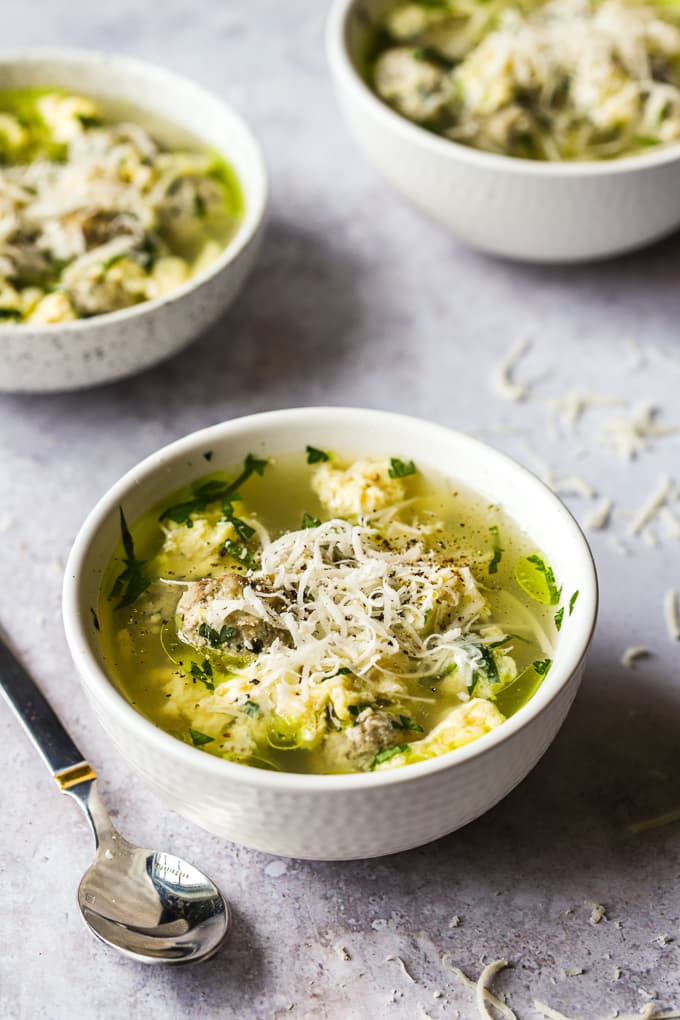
[
  {"x": 388, "y": 753},
  {"x": 251, "y": 708},
  {"x": 238, "y": 551},
  {"x": 315, "y": 456},
  {"x": 203, "y": 673},
  {"x": 132, "y": 581},
  {"x": 497, "y": 549},
  {"x": 198, "y": 738},
  {"x": 343, "y": 671},
  {"x": 244, "y": 531},
  {"x": 400, "y": 468},
  {"x": 8, "y": 314},
  {"x": 211, "y": 492},
  {"x": 559, "y": 616},
  {"x": 405, "y": 723},
  {"x": 536, "y": 578},
  {"x": 572, "y": 601},
  {"x": 308, "y": 521},
  {"x": 214, "y": 637},
  {"x": 541, "y": 666},
  {"x": 356, "y": 710}
]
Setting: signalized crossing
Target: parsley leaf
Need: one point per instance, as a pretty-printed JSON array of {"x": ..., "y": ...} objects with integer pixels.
[
  {"x": 310, "y": 522},
  {"x": 237, "y": 551},
  {"x": 251, "y": 708},
  {"x": 388, "y": 753},
  {"x": 405, "y": 723},
  {"x": 10, "y": 313},
  {"x": 210, "y": 492},
  {"x": 198, "y": 738},
  {"x": 315, "y": 456},
  {"x": 559, "y": 616},
  {"x": 203, "y": 673},
  {"x": 541, "y": 666},
  {"x": 244, "y": 531},
  {"x": 401, "y": 469},
  {"x": 217, "y": 637},
  {"x": 572, "y": 601},
  {"x": 497, "y": 549},
  {"x": 343, "y": 671},
  {"x": 132, "y": 581}
]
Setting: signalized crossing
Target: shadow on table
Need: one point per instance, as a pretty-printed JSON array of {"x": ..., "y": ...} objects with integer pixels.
[
  {"x": 294, "y": 319},
  {"x": 657, "y": 262},
  {"x": 613, "y": 763}
]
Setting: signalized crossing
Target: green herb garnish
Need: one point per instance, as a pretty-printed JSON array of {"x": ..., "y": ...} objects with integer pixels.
[
  {"x": 343, "y": 671},
  {"x": 112, "y": 260},
  {"x": 405, "y": 723},
  {"x": 251, "y": 708},
  {"x": 212, "y": 491},
  {"x": 559, "y": 616},
  {"x": 572, "y": 601},
  {"x": 315, "y": 456},
  {"x": 388, "y": 753},
  {"x": 203, "y": 673},
  {"x": 9, "y": 314},
  {"x": 308, "y": 521},
  {"x": 541, "y": 666},
  {"x": 200, "y": 208},
  {"x": 132, "y": 581},
  {"x": 217, "y": 637},
  {"x": 497, "y": 549},
  {"x": 238, "y": 551},
  {"x": 400, "y": 468},
  {"x": 536, "y": 578},
  {"x": 244, "y": 531},
  {"x": 199, "y": 738},
  {"x": 356, "y": 710}
]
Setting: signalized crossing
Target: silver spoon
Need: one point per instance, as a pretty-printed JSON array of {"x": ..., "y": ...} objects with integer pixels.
[{"x": 150, "y": 905}]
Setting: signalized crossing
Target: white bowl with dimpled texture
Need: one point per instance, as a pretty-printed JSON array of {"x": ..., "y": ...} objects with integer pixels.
[
  {"x": 338, "y": 816},
  {"x": 105, "y": 347},
  {"x": 517, "y": 208}
]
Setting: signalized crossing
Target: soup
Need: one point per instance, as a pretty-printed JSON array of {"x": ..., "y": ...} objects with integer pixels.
[
  {"x": 555, "y": 80},
  {"x": 97, "y": 213},
  {"x": 324, "y": 613}
]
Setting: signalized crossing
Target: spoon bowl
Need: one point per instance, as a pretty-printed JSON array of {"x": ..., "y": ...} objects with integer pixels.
[{"x": 150, "y": 905}]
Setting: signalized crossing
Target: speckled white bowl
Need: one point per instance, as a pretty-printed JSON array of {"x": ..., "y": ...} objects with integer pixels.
[
  {"x": 106, "y": 347},
  {"x": 518, "y": 208},
  {"x": 339, "y": 816}
]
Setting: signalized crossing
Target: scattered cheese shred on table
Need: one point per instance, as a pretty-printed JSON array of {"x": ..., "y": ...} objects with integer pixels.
[
  {"x": 502, "y": 1007},
  {"x": 598, "y": 518},
  {"x": 631, "y": 436},
  {"x": 670, "y": 612},
  {"x": 651, "y": 505},
  {"x": 503, "y": 383},
  {"x": 656, "y": 823},
  {"x": 550, "y": 1013},
  {"x": 632, "y": 654},
  {"x": 398, "y": 960},
  {"x": 485, "y": 977},
  {"x": 597, "y": 912}
]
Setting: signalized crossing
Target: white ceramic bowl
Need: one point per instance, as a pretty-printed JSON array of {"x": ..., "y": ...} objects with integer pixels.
[
  {"x": 545, "y": 212},
  {"x": 338, "y": 816},
  {"x": 105, "y": 347}
]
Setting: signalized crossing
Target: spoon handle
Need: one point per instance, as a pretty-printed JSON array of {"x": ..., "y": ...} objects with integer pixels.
[{"x": 66, "y": 763}]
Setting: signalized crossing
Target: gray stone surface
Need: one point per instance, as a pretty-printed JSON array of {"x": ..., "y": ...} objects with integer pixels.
[{"x": 357, "y": 300}]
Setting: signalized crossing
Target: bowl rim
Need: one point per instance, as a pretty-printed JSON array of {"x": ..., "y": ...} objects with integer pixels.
[
  {"x": 345, "y": 71},
  {"x": 255, "y": 189},
  {"x": 93, "y": 676}
]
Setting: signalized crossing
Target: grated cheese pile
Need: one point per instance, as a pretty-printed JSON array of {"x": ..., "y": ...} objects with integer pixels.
[{"x": 562, "y": 80}]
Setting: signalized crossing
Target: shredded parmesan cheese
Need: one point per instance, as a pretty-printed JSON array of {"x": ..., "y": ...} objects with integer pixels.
[
  {"x": 398, "y": 960},
  {"x": 485, "y": 977},
  {"x": 631, "y": 436},
  {"x": 651, "y": 505},
  {"x": 598, "y": 518},
  {"x": 597, "y": 912},
  {"x": 503, "y": 383},
  {"x": 632, "y": 654},
  {"x": 506, "y": 1012},
  {"x": 670, "y": 612}
]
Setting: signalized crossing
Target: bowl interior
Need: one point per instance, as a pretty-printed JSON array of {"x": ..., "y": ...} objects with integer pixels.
[{"x": 462, "y": 459}]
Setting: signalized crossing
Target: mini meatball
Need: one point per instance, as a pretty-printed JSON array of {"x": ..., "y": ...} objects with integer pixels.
[
  {"x": 54, "y": 307},
  {"x": 372, "y": 733},
  {"x": 208, "y": 617},
  {"x": 105, "y": 285}
]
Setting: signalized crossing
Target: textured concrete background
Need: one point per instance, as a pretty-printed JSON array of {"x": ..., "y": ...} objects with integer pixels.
[{"x": 356, "y": 300}]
